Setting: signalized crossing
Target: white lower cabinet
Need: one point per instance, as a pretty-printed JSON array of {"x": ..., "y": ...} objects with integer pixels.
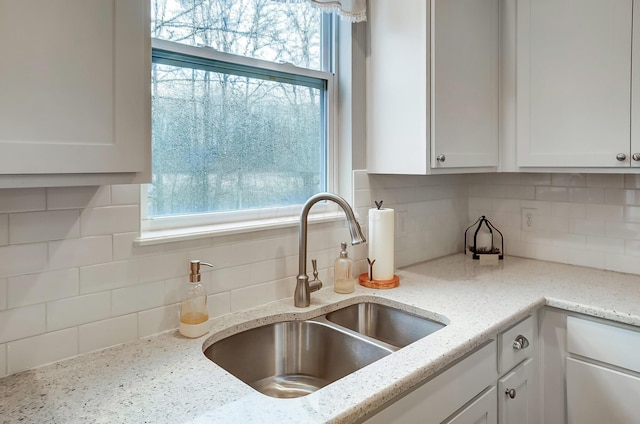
[
  {"x": 517, "y": 395},
  {"x": 441, "y": 397},
  {"x": 472, "y": 392},
  {"x": 596, "y": 394},
  {"x": 590, "y": 369},
  {"x": 479, "y": 411}
]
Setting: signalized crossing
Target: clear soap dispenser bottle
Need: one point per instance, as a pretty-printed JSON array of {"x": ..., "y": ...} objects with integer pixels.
[
  {"x": 343, "y": 281},
  {"x": 194, "y": 315}
]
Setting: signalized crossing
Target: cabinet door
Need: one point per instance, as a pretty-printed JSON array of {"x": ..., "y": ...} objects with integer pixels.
[
  {"x": 573, "y": 82},
  {"x": 398, "y": 87},
  {"x": 481, "y": 411},
  {"x": 598, "y": 395},
  {"x": 74, "y": 86},
  {"x": 517, "y": 395},
  {"x": 464, "y": 83}
]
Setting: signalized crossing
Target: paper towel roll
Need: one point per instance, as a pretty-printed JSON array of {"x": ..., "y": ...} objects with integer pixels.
[{"x": 381, "y": 233}]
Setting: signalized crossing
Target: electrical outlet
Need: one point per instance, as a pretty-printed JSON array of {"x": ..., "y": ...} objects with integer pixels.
[{"x": 529, "y": 219}]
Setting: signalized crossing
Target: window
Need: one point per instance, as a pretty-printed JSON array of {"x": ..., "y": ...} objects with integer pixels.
[{"x": 241, "y": 106}]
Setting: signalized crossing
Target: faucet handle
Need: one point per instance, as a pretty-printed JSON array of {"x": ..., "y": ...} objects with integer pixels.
[{"x": 314, "y": 264}]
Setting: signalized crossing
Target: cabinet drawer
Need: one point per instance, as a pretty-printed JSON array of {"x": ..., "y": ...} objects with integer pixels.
[
  {"x": 509, "y": 353},
  {"x": 606, "y": 343}
]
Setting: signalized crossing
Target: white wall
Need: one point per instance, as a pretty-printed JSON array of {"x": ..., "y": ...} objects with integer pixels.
[
  {"x": 71, "y": 280},
  {"x": 583, "y": 219}
]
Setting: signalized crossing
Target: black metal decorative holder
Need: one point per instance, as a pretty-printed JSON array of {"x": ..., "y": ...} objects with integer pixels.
[{"x": 478, "y": 251}]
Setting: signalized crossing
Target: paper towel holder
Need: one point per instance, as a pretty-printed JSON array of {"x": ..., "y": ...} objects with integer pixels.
[{"x": 479, "y": 250}]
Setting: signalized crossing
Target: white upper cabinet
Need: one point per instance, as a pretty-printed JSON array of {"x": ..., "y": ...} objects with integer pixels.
[
  {"x": 74, "y": 89},
  {"x": 432, "y": 86},
  {"x": 574, "y": 84}
]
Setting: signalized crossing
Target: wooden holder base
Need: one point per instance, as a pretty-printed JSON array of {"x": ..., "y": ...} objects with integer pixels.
[{"x": 378, "y": 284}]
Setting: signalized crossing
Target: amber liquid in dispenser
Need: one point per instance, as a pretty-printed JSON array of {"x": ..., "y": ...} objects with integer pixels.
[
  {"x": 194, "y": 315},
  {"x": 343, "y": 281}
]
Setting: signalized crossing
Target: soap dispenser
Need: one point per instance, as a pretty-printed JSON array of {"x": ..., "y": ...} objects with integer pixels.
[
  {"x": 194, "y": 315},
  {"x": 343, "y": 281}
]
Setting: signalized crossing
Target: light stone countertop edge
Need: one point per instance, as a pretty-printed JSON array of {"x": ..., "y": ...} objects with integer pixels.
[{"x": 166, "y": 378}]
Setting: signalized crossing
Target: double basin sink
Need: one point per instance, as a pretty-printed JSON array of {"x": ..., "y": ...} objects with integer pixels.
[{"x": 294, "y": 358}]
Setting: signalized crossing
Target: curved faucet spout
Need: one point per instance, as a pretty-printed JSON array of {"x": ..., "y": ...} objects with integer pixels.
[{"x": 302, "y": 295}]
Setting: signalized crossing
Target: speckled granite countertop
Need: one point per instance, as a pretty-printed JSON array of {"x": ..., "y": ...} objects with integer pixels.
[{"x": 168, "y": 379}]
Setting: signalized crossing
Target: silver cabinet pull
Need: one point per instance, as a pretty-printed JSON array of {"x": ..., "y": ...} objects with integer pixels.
[
  {"x": 636, "y": 157},
  {"x": 621, "y": 157},
  {"x": 441, "y": 158},
  {"x": 520, "y": 342},
  {"x": 511, "y": 393}
]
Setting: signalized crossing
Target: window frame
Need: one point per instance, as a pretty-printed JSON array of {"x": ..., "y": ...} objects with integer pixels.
[{"x": 184, "y": 227}]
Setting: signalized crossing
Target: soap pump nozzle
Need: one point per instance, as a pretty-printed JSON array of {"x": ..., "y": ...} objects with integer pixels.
[{"x": 194, "y": 275}]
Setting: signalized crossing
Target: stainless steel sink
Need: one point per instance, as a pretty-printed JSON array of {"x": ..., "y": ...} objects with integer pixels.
[
  {"x": 391, "y": 325},
  {"x": 293, "y": 358}
]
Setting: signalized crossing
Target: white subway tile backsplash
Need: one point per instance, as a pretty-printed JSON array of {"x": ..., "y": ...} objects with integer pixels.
[
  {"x": 605, "y": 244},
  {"x": 535, "y": 179},
  {"x": 568, "y": 210},
  {"x": 3, "y": 360},
  {"x": 586, "y": 194},
  {"x": 158, "y": 320},
  {"x": 622, "y": 263},
  {"x": 569, "y": 180},
  {"x": 118, "y": 292},
  {"x": 590, "y": 258},
  {"x": 587, "y": 227},
  {"x": 78, "y": 310},
  {"x": 43, "y": 287},
  {"x": 35, "y": 351},
  {"x": 520, "y": 192},
  {"x": 29, "y": 227},
  {"x": 4, "y": 229},
  {"x": 605, "y": 180},
  {"x": 632, "y": 181},
  {"x": 22, "y": 259},
  {"x": 554, "y": 194},
  {"x": 610, "y": 213},
  {"x": 78, "y": 197},
  {"x": 220, "y": 304},
  {"x": 3, "y": 294},
  {"x": 108, "y": 276},
  {"x": 22, "y": 200},
  {"x": 110, "y": 332},
  {"x": 80, "y": 252},
  {"x": 109, "y": 220},
  {"x": 137, "y": 298},
  {"x": 125, "y": 194},
  {"x": 632, "y": 214},
  {"x": 22, "y": 322},
  {"x": 161, "y": 267}
]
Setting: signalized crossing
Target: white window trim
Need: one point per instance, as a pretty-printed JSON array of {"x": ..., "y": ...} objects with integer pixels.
[{"x": 182, "y": 228}]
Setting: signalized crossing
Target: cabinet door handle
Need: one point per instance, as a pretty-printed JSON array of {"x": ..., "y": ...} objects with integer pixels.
[
  {"x": 621, "y": 157},
  {"x": 520, "y": 342},
  {"x": 636, "y": 157},
  {"x": 441, "y": 158},
  {"x": 511, "y": 393}
]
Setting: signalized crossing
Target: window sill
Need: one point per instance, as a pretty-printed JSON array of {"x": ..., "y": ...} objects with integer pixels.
[{"x": 151, "y": 237}]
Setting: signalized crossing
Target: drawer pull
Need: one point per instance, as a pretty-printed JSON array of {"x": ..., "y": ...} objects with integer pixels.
[
  {"x": 520, "y": 342},
  {"x": 511, "y": 393}
]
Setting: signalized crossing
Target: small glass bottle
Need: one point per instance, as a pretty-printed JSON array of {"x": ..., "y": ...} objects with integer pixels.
[
  {"x": 194, "y": 315},
  {"x": 343, "y": 281}
]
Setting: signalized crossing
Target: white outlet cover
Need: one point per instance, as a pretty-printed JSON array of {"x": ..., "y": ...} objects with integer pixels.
[{"x": 529, "y": 219}]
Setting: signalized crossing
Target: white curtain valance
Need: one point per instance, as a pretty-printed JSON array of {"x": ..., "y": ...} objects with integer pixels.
[{"x": 353, "y": 10}]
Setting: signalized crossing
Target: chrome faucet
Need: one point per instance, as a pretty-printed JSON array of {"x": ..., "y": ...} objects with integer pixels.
[{"x": 304, "y": 287}]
